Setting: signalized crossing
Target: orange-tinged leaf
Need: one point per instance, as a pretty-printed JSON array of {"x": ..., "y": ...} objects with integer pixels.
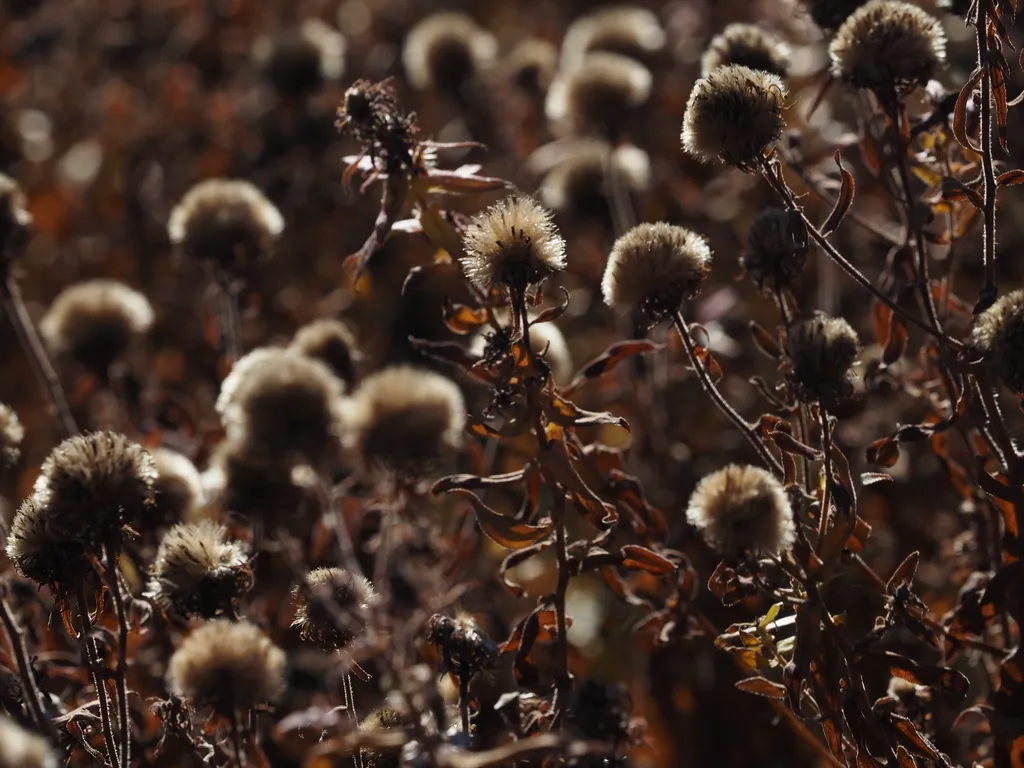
[
  {"x": 503, "y": 530},
  {"x": 843, "y": 202},
  {"x": 611, "y": 357},
  {"x": 641, "y": 558},
  {"x": 462, "y": 319},
  {"x": 760, "y": 686}
]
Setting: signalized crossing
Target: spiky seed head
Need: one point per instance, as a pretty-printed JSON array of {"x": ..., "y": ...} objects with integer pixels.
[
  {"x": 775, "y": 258},
  {"x": 999, "y": 333},
  {"x": 384, "y": 719},
  {"x": 331, "y": 607},
  {"x": 199, "y": 572},
  {"x": 22, "y": 749},
  {"x": 299, "y": 61},
  {"x": 830, "y": 14},
  {"x": 545, "y": 339},
  {"x": 227, "y": 666},
  {"x": 226, "y": 224},
  {"x": 446, "y": 51},
  {"x": 406, "y": 418},
  {"x": 889, "y": 47},
  {"x": 579, "y": 182},
  {"x": 749, "y": 46},
  {"x": 733, "y": 115},
  {"x": 600, "y": 96},
  {"x": 512, "y": 245},
  {"x": 95, "y": 322},
  {"x": 821, "y": 352},
  {"x": 11, "y": 435},
  {"x": 741, "y": 509},
  {"x": 464, "y": 648},
  {"x": 177, "y": 488},
  {"x": 654, "y": 268},
  {"x": 531, "y": 66},
  {"x": 44, "y": 555},
  {"x": 626, "y": 30},
  {"x": 331, "y": 342},
  {"x": 283, "y": 404}
]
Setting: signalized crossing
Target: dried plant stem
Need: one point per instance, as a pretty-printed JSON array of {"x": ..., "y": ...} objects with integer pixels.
[
  {"x": 988, "y": 291},
  {"x": 464, "y": 702},
  {"x": 230, "y": 321},
  {"x": 92, "y": 658},
  {"x": 563, "y": 681},
  {"x": 826, "y": 448},
  {"x": 33, "y": 696},
  {"x": 121, "y": 674},
  {"x": 236, "y": 739},
  {"x": 36, "y": 352},
  {"x": 996, "y": 427},
  {"x": 719, "y": 400}
]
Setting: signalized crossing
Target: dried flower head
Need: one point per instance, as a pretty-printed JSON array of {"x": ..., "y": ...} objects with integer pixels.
[
  {"x": 299, "y": 61},
  {"x": 776, "y": 258},
  {"x": 889, "y": 47},
  {"x": 228, "y": 666},
  {"x": 95, "y": 322},
  {"x": 283, "y": 404},
  {"x": 225, "y": 224},
  {"x": 531, "y": 65},
  {"x": 370, "y": 113},
  {"x": 177, "y": 488},
  {"x": 465, "y": 650},
  {"x": 733, "y": 115},
  {"x": 654, "y": 268},
  {"x": 742, "y": 509},
  {"x": 331, "y": 607},
  {"x": 600, "y": 96},
  {"x": 14, "y": 218},
  {"x": 42, "y": 554},
  {"x": 545, "y": 339},
  {"x": 512, "y": 245},
  {"x": 406, "y": 418},
  {"x": 21, "y": 749},
  {"x": 747, "y": 45},
  {"x": 626, "y": 30},
  {"x": 999, "y": 333},
  {"x": 580, "y": 182},
  {"x": 384, "y": 719},
  {"x": 11, "y": 435},
  {"x": 830, "y": 14},
  {"x": 822, "y": 351},
  {"x": 198, "y": 572},
  {"x": 445, "y": 51},
  {"x": 331, "y": 342}
]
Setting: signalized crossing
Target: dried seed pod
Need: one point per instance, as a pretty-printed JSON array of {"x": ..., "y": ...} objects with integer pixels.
[
  {"x": 464, "y": 648},
  {"x": 299, "y": 61},
  {"x": 775, "y": 259},
  {"x": 512, "y": 245},
  {"x": 384, "y": 719},
  {"x": 199, "y": 572},
  {"x": 177, "y": 488},
  {"x": 742, "y": 509},
  {"x": 331, "y": 607},
  {"x": 531, "y": 66},
  {"x": 733, "y": 115},
  {"x": 21, "y": 749},
  {"x": 627, "y": 30},
  {"x": 580, "y": 183},
  {"x": 600, "y": 96},
  {"x": 889, "y": 47},
  {"x": 821, "y": 353},
  {"x": 830, "y": 14},
  {"x": 95, "y": 322},
  {"x": 446, "y": 51},
  {"x": 331, "y": 342},
  {"x": 42, "y": 555},
  {"x": 999, "y": 333},
  {"x": 227, "y": 666},
  {"x": 11, "y": 435},
  {"x": 747, "y": 45},
  {"x": 654, "y": 268}
]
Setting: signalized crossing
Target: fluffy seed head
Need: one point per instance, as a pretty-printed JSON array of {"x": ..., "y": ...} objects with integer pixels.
[
  {"x": 734, "y": 113},
  {"x": 579, "y": 182},
  {"x": 830, "y": 14},
  {"x": 44, "y": 555},
  {"x": 742, "y": 509},
  {"x": 822, "y": 351},
  {"x": 21, "y": 749},
  {"x": 281, "y": 403},
  {"x": 531, "y": 65},
  {"x": 331, "y": 342},
  {"x": 198, "y": 572},
  {"x": 512, "y": 245},
  {"x": 654, "y": 268},
  {"x": 301, "y": 60},
  {"x": 999, "y": 333},
  {"x": 384, "y": 719},
  {"x": 445, "y": 51},
  {"x": 331, "y": 607},
  {"x": 775, "y": 259},
  {"x": 600, "y": 96},
  {"x": 228, "y": 666},
  {"x": 225, "y": 224},
  {"x": 749, "y": 46},
  {"x": 95, "y": 322},
  {"x": 177, "y": 488},
  {"x": 11, "y": 435},
  {"x": 889, "y": 47},
  {"x": 626, "y": 30},
  {"x": 405, "y": 417}
]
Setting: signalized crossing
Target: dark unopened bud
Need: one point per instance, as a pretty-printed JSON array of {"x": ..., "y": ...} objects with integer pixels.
[
  {"x": 11, "y": 435},
  {"x": 734, "y": 114},
  {"x": 749, "y": 46},
  {"x": 582, "y": 181},
  {"x": 775, "y": 259},
  {"x": 465, "y": 650},
  {"x": 298, "y": 61},
  {"x": 822, "y": 351},
  {"x": 626, "y": 30},
  {"x": 999, "y": 333},
  {"x": 177, "y": 489},
  {"x": 331, "y": 342},
  {"x": 742, "y": 509},
  {"x": 531, "y": 66},
  {"x": 446, "y": 51},
  {"x": 830, "y": 14},
  {"x": 21, "y": 749},
  {"x": 331, "y": 607},
  {"x": 599, "y": 97},
  {"x": 654, "y": 268},
  {"x": 95, "y": 322}
]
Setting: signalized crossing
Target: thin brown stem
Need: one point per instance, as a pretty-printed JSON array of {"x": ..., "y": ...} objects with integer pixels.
[
  {"x": 33, "y": 696},
  {"x": 230, "y": 322},
  {"x": 236, "y": 739},
  {"x": 121, "y": 674},
  {"x": 563, "y": 681},
  {"x": 92, "y": 658},
  {"x": 988, "y": 291},
  {"x": 464, "y": 702},
  {"x": 826, "y": 448}
]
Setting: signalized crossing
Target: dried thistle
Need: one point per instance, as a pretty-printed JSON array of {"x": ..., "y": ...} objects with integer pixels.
[
  {"x": 627, "y": 30},
  {"x": 889, "y": 47},
  {"x": 445, "y": 51},
  {"x": 600, "y": 96},
  {"x": 742, "y": 509},
  {"x": 654, "y": 268},
  {"x": 299, "y": 61},
  {"x": 775, "y": 259},
  {"x": 331, "y": 607},
  {"x": 331, "y": 342},
  {"x": 11, "y": 435},
  {"x": 95, "y": 322},
  {"x": 228, "y": 666},
  {"x": 999, "y": 333},
  {"x": 198, "y": 572},
  {"x": 371, "y": 115},
  {"x": 531, "y": 66},
  {"x": 747, "y": 45},
  {"x": 177, "y": 488},
  {"x": 21, "y": 749},
  {"x": 384, "y": 719},
  {"x": 821, "y": 352},
  {"x": 580, "y": 183},
  {"x": 512, "y": 245},
  {"x": 733, "y": 115},
  {"x": 43, "y": 555},
  {"x": 464, "y": 648}
]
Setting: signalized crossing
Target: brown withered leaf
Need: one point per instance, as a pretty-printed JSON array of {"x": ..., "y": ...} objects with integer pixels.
[
  {"x": 904, "y": 574},
  {"x": 503, "y": 530},
  {"x": 896, "y": 341},
  {"x": 521, "y": 556},
  {"x": 454, "y": 354},
  {"x": 761, "y": 686},
  {"x": 462, "y": 319},
  {"x": 551, "y": 314},
  {"x": 765, "y": 342},
  {"x": 1011, "y": 178},
  {"x": 640, "y": 558},
  {"x": 467, "y": 482},
  {"x": 611, "y": 357},
  {"x": 843, "y": 202},
  {"x": 954, "y": 191},
  {"x": 914, "y": 741},
  {"x": 960, "y": 111}
]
